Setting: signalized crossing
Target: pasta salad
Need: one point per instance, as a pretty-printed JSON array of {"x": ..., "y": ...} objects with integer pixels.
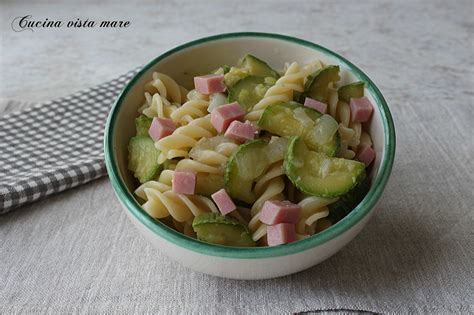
[{"x": 252, "y": 156}]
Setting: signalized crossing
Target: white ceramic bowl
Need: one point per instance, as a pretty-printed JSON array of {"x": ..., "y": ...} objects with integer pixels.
[{"x": 201, "y": 56}]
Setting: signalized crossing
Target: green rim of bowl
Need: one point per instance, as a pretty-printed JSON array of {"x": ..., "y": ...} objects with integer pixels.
[{"x": 161, "y": 230}]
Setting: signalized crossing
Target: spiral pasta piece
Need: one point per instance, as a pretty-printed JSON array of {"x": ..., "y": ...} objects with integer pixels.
[
  {"x": 162, "y": 96},
  {"x": 365, "y": 139},
  {"x": 166, "y": 87},
  {"x": 157, "y": 106},
  {"x": 282, "y": 91},
  {"x": 161, "y": 202},
  {"x": 312, "y": 209},
  {"x": 269, "y": 186},
  {"x": 310, "y": 67},
  {"x": 349, "y": 132},
  {"x": 355, "y": 141},
  {"x": 209, "y": 161},
  {"x": 195, "y": 107},
  {"x": 159, "y": 185},
  {"x": 183, "y": 138}
]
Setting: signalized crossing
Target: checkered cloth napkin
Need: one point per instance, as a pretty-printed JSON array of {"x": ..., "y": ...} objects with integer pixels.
[{"x": 54, "y": 146}]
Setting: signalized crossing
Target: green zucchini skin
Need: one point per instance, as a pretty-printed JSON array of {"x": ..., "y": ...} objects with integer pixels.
[
  {"x": 280, "y": 119},
  {"x": 248, "y": 91},
  {"x": 143, "y": 158},
  {"x": 223, "y": 230},
  {"x": 258, "y": 67},
  {"x": 238, "y": 187},
  {"x": 249, "y": 65},
  {"x": 304, "y": 168},
  {"x": 142, "y": 124},
  {"x": 352, "y": 90},
  {"x": 316, "y": 86}
]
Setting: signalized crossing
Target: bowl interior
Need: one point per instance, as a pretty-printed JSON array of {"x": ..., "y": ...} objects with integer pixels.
[{"x": 202, "y": 56}]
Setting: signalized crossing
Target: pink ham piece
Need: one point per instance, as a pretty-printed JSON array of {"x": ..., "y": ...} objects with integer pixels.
[
  {"x": 209, "y": 84},
  {"x": 361, "y": 109},
  {"x": 223, "y": 201},
  {"x": 222, "y": 116},
  {"x": 317, "y": 105},
  {"x": 240, "y": 131},
  {"x": 365, "y": 154},
  {"x": 183, "y": 182},
  {"x": 160, "y": 128},
  {"x": 276, "y": 211},
  {"x": 282, "y": 233}
]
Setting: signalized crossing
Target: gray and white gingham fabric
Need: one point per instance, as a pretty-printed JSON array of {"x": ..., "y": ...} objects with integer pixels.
[{"x": 54, "y": 146}]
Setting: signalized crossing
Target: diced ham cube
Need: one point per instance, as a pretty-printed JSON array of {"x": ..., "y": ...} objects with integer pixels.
[
  {"x": 317, "y": 105},
  {"x": 361, "y": 109},
  {"x": 222, "y": 116},
  {"x": 183, "y": 182},
  {"x": 365, "y": 154},
  {"x": 282, "y": 233},
  {"x": 240, "y": 131},
  {"x": 209, "y": 84},
  {"x": 160, "y": 128},
  {"x": 223, "y": 201},
  {"x": 276, "y": 211}
]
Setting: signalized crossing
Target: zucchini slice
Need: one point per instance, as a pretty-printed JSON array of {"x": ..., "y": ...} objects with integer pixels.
[
  {"x": 317, "y": 174},
  {"x": 293, "y": 119},
  {"x": 248, "y": 91},
  {"x": 243, "y": 167},
  {"x": 143, "y": 158},
  {"x": 352, "y": 90},
  {"x": 249, "y": 66},
  {"x": 142, "y": 124},
  {"x": 257, "y": 67},
  {"x": 207, "y": 184},
  {"x": 218, "y": 229},
  {"x": 317, "y": 84}
]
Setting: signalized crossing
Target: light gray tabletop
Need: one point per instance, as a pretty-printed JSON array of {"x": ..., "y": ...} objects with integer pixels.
[{"x": 76, "y": 252}]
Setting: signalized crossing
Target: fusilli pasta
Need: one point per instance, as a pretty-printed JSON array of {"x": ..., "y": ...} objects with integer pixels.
[
  {"x": 208, "y": 159},
  {"x": 313, "y": 209},
  {"x": 350, "y": 132},
  {"x": 161, "y": 202},
  {"x": 157, "y": 106},
  {"x": 185, "y": 137},
  {"x": 282, "y": 91},
  {"x": 365, "y": 139},
  {"x": 195, "y": 107},
  {"x": 166, "y": 87},
  {"x": 162, "y": 96},
  {"x": 268, "y": 187}
]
